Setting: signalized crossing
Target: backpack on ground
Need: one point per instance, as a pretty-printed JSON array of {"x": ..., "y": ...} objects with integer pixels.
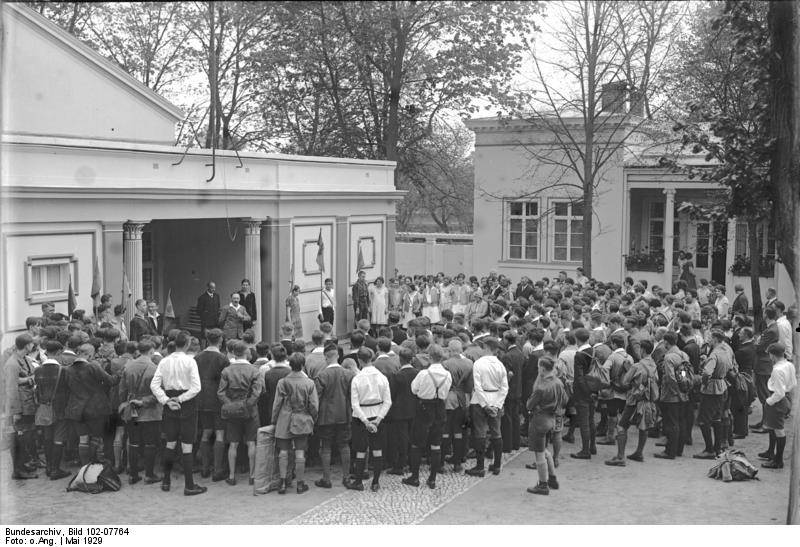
[
  {"x": 94, "y": 478},
  {"x": 733, "y": 466},
  {"x": 597, "y": 378}
]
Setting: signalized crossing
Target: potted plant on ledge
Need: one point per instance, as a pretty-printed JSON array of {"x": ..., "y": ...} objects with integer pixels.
[{"x": 645, "y": 260}]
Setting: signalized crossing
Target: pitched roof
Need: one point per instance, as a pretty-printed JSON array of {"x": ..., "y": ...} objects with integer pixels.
[{"x": 111, "y": 69}]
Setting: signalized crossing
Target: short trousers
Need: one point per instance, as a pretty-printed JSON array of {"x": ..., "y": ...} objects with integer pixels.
[
  {"x": 181, "y": 423},
  {"x": 614, "y": 407},
  {"x": 24, "y": 424},
  {"x": 456, "y": 420},
  {"x": 333, "y": 434},
  {"x": 775, "y": 416},
  {"x": 299, "y": 443},
  {"x": 57, "y": 432},
  {"x": 144, "y": 433},
  {"x": 540, "y": 425},
  {"x": 241, "y": 430},
  {"x": 362, "y": 439},
  {"x": 94, "y": 427},
  {"x": 210, "y": 419},
  {"x": 429, "y": 423},
  {"x": 629, "y": 418},
  {"x": 711, "y": 409},
  {"x": 482, "y": 423}
]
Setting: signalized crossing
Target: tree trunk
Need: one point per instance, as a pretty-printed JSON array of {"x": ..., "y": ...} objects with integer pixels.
[
  {"x": 211, "y": 136},
  {"x": 754, "y": 243},
  {"x": 784, "y": 19}
]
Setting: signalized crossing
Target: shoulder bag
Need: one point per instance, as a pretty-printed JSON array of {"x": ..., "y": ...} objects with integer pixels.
[{"x": 44, "y": 412}]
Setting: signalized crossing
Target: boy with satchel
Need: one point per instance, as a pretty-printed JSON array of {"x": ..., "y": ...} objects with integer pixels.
[
  {"x": 293, "y": 414},
  {"x": 239, "y": 389},
  {"x": 52, "y": 396}
]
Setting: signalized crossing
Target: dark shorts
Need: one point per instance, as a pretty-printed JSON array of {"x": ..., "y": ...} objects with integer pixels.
[
  {"x": 711, "y": 409},
  {"x": 614, "y": 407},
  {"x": 482, "y": 423},
  {"x": 775, "y": 415},
  {"x": 210, "y": 419},
  {"x": 241, "y": 430},
  {"x": 429, "y": 422},
  {"x": 181, "y": 423},
  {"x": 24, "y": 424},
  {"x": 629, "y": 417},
  {"x": 144, "y": 433},
  {"x": 333, "y": 434},
  {"x": 299, "y": 443},
  {"x": 57, "y": 432},
  {"x": 362, "y": 439},
  {"x": 762, "y": 391},
  {"x": 456, "y": 420},
  {"x": 94, "y": 427}
]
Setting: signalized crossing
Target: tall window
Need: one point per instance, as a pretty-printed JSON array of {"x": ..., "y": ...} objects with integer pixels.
[
  {"x": 702, "y": 247},
  {"x": 766, "y": 238},
  {"x": 656, "y": 239},
  {"x": 568, "y": 231},
  {"x": 523, "y": 230}
]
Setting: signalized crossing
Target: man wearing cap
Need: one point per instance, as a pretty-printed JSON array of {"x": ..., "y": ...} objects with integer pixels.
[
  {"x": 333, "y": 421},
  {"x": 781, "y": 384},
  {"x": 490, "y": 387},
  {"x": 431, "y": 386},
  {"x": 740, "y": 303}
]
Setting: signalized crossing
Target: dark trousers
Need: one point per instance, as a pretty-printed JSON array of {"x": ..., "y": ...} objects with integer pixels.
[
  {"x": 740, "y": 421},
  {"x": 585, "y": 410},
  {"x": 671, "y": 415},
  {"x": 327, "y": 315},
  {"x": 510, "y": 425},
  {"x": 397, "y": 442},
  {"x": 687, "y": 422}
]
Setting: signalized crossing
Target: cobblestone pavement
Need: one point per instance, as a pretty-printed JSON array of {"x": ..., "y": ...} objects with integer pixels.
[{"x": 395, "y": 502}]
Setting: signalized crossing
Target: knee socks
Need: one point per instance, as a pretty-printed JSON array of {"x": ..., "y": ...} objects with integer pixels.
[
  {"x": 149, "y": 460},
  {"x": 436, "y": 454},
  {"x": 414, "y": 459},
  {"x": 780, "y": 444},
  {"x": 377, "y": 467},
  {"x": 300, "y": 466},
  {"x": 325, "y": 456},
  {"x": 344, "y": 454},
  {"x": 187, "y": 460}
]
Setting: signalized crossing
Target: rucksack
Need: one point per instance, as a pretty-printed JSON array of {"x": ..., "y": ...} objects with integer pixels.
[
  {"x": 684, "y": 377},
  {"x": 733, "y": 467},
  {"x": 597, "y": 378},
  {"x": 94, "y": 478},
  {"x": 742, "y": 389}
]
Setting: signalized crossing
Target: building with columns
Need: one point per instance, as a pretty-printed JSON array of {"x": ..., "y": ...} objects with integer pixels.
[
  {"x": 90, "y": 173},
  {"x": 528, "y": 210}
]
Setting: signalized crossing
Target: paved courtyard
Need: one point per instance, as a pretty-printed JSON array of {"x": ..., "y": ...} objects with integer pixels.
[{"x": 653, "y": 492}]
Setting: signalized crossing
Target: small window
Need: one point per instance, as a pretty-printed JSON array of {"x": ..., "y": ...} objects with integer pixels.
[{"x": 47, "y": 278}]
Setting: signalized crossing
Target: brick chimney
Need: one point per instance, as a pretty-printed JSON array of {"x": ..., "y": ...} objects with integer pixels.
[{"x": 614, "y": 97}]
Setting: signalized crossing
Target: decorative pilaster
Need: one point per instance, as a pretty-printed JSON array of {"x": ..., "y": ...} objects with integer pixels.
[
  {"x": 669, "y": 236},
  {"x": 132, "y": 260},
  {"x": 252, "y": 264}
]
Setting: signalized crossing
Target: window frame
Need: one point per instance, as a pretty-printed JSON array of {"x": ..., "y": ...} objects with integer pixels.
[
  {"x": 523, "y": 218},
  {"x": 570, "y": 218},
  {"x": 42, "y": 261}
]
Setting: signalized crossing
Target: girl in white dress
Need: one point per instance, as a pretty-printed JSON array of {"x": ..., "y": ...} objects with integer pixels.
[
  {"x": 379, "y": 303},
  {"x": 430, "y": 302}
]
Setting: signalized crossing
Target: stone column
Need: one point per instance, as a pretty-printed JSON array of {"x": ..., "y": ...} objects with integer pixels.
[
  {"x": 252, "y": 266},
  {"x": 389, "y": 248},
  {"x": 669, "y": 235},
  {"x": 132, "y": 259}
]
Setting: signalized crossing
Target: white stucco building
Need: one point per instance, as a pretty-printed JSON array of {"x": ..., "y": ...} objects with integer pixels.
[
  {"x": 90, "y": 172},
  {"x": 528, "y": 211}
]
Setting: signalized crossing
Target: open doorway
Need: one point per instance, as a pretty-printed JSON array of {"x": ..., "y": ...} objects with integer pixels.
[{"x": 719, "y": 252}]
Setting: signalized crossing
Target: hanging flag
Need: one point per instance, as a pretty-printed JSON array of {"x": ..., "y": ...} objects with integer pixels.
[
  {"x": 169, "y": 311},
  {"x": 126, "y": 289},
  {"x": 71, "y": 302},
  {"x": 360, "y": 265},
  {"x": 320, "y": 250},
  {"x": 95, "y": 279}
]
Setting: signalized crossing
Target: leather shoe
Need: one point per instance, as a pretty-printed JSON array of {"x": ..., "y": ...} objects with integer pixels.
[
  {"x": 772, "y": 464},
  {"x": 663, "y": 456},
  {"x": 59, "y": 474},
  {"x": 165, "y": 486},
  {"x": 581, "y": 456},
  {"x": 195, "y": 490},
  {"x": 757, "y": 426},
  {"x": 301, "y": 487},
  {"x": 322, "y": 483},
  {"x": 219, "y": 477},
  {"x": 759, "y": 430},
  {"x": 530, "y": 466},
  {"x": 375, "y": 487},
  {"x": 738, "y": 437},
  {"x": 231, "y": 482},
  {"x": 568, "y": 438},
  {"x": 475, "y": 472},
  {"x": 354, "y": 485},
  {"x": 615, "y": 462},
  {"x": 705, "y": 456},
  {"x": 133, "y": 479},
  {"x": 205, "y": 474},
  {"x": 766, "y": 455},
  {"x": 152, "y": 480},
  {"x": 593, "y": 450},
  {"x": 606, "y": 442},
  {"x": 23, "y": 475},
  {"x": 431, "y": 483},
  {"x": 410, "y": 481},
  {"x": 636, "y": 457},
  {"x": 458, "y": 468}
]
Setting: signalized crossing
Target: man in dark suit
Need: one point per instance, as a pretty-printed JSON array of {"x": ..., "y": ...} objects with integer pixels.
[
  {"x": 155, "y": 319},
  {"x": 740, "y": 303},
  {"x": 513, "y": 360},
  {"x": 208, "y": 308},
  {"x": 139, "y": 324},
  {"x": 769, "y": 336},
  {"x": 582, "y": 396},
  {"x": 402, "y": 412},
  {"x": 746, "y": 358},
  {"x": 398, "y": 333}
]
